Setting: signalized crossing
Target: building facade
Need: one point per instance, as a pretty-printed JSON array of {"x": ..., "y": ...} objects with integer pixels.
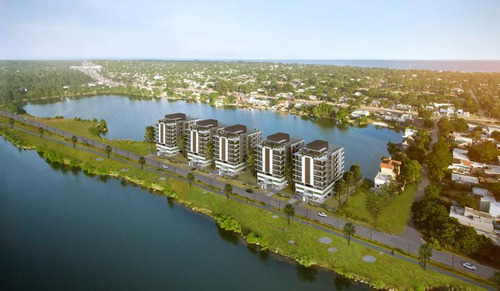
[
  {"x": 317, "y": 167},
  {"x": 272, "y": 156},
  {"x": 198, "y": 138},
  {"x": 168, "y": 132},
  {"x": 232, "y": 145}
]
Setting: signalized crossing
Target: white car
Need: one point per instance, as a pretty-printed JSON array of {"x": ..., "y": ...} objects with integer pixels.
[
  {"x": 164, "y": 166},
  {"x": 469, "y": 266},
  {"x": 322, "y": 214}
]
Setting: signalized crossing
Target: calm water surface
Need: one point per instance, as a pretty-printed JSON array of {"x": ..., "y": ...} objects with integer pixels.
[
  {"x": 127, "y": 118},
  {"x": 63, "y": 230}
]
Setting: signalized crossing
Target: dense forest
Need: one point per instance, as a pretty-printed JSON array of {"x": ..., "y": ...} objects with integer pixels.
[{"x": 24, "y": 80}]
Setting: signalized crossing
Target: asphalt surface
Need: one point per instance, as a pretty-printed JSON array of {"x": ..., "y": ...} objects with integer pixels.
[{"x": 393, "y": 241}]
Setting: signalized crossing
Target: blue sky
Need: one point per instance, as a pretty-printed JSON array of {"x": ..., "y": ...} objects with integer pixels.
[{"x": 233, "y": 29}]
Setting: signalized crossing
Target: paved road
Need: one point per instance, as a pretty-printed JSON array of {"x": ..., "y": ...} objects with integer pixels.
[{"x": 393, "y": 241}]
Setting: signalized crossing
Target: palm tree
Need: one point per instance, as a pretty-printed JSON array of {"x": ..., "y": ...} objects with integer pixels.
[
  {"x": 109, "y": 150},
  {"x": 496, "y": 279},
  {"x": 41, "y": 130},
  {"x": 11, "y": 121},
  {"x": 289, "y": 212},
  {"x": 250, "y": 162},
  {"x": 349, "y": 231},
  {"x": 424, "y": 254},
  {"x": 190, "y": 177},
  {"x": 142, "y": 161},
  {"x": 228, "y": 189},
  {"x": 74, "y": 140}
]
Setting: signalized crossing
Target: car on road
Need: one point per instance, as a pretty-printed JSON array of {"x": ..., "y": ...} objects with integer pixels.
[
  {"x": 249, "y": 190},
  {"x": 164, "y": 166},
  {"x": 469, "y": 266},
  {"x": 321, "y": 214}
]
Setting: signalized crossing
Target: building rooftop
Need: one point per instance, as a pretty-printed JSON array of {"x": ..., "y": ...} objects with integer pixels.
[
  {"x": 176, "y": 116},
  {"x": 279, "y": 137},
  {"x": 318, "y": 145},
  {"x": 238, "y": 128},
  {"x": 208, "y": 123}
]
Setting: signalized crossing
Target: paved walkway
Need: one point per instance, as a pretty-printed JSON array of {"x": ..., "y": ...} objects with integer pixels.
[{"x": 176, "y": 172}]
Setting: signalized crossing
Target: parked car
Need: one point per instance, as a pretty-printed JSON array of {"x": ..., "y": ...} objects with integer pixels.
[
  {"x": 164, "y": 166},
  {"x": 469, "y": 266},
  {"x": 321, "y": 214},
  {"x": 249, "y": 190}
]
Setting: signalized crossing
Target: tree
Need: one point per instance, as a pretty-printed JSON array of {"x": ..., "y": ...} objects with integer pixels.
[
  {"x": 349, "y": 231},
  {"x": 445, "y": 126},
  {"x": 340, "y": 189},
  {"x": 41, "y": 130},
  {"x": 289, "y": 212},
  {"x": 356, "y": 170},
  {"x": 11, "y": 122},
  {"x": 411, "y": 172},
  {"x": 496, "y": 135},
  {"x": 323, "y": 110},
  {"x": 74, "y": 140},
  {"x": 424, "y": 254},
  {"x": 190, "y": 177},
  {"x": 466, "y": 240},
  {"x": 375, "y": 203},
  {"x": 228, "y": 190},
  {"x": 209, "y": 153},
  {"x": 431, "y": 192},
  {"x": 149, "y": 135},
  {"x": 496, "y": 279},
  {"x": 142, "y": 161},
  {"x": 109, "y": 150},
  {"x": 460, "y": 125},
  {"x": 439, "y": 159},
  {"x": 485, "y": 152},
  {"x": 182, "y": 145},
  {"x": 251, "y": 162}
]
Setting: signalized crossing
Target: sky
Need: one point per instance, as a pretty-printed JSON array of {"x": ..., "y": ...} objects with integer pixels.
[{"x": 234, "y": 29}]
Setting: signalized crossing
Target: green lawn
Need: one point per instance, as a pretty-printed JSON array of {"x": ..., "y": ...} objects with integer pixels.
[
  {"x": 81, "y": 127},
  {"x": 387, "y": 271},
  {"x": 393, "y": 217}
]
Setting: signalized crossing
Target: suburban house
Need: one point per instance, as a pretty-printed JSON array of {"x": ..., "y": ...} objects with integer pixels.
[
  {"x": 317, "y": 166},
  {"x": 482, "y": 222},
  {"x": 169, "y": 130},
  {"x": 460, "y": 166},
  {"x": 464, "y": 179},
  {"x": 272, "y": 157},
  {"x": 232, "y": 145},
  {"x": 389, "y": 170},
  {"x": 487, "y": 202},
  {"x": 198, "y": 136}
]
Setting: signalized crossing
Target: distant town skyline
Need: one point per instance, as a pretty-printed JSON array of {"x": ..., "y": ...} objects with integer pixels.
[{"x": 337, "y": 29}]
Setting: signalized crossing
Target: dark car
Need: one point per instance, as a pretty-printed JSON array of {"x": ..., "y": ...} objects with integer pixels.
[{"x": 249, "y": 190}]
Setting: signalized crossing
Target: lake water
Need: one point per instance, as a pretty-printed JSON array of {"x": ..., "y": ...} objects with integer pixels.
[
  {"x": 63, "y": 230},
  {"x": 127, "y": 117}
]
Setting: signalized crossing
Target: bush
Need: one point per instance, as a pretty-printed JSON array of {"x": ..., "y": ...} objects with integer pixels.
[{"x": 228, "y": 223}]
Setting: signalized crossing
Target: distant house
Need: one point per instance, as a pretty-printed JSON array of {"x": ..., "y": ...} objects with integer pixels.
[
  {"x": 462, "y": 140},
  {"x": 359, "y": 113},
  {"x": 487, "y": 202},
  {"x": 482, "y": 222},
  {"x": 464, "y": 179},
  {"x": 389, "y": 170},
  {"x": 409, "y": 132},
  {"x": 460, "y": 166}
]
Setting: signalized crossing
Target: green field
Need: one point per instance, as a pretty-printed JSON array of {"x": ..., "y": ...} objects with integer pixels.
[
  {"x": 392, "y": 219},
  {"x": 387, "y": 271}
]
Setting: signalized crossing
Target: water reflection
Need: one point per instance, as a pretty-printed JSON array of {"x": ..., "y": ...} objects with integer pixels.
[{"x": 306, "y": 274}]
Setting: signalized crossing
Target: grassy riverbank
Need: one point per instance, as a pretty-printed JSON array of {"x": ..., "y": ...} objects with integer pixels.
[{"x": 387, "y": 271}]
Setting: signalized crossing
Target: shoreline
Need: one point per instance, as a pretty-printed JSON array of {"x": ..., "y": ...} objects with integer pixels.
[{"x": 210, "y": 213}]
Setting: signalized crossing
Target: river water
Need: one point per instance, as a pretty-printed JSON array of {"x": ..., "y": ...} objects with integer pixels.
[
  {"x": 63, "y": 230},
  {"x": 127, "y": 117}
]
